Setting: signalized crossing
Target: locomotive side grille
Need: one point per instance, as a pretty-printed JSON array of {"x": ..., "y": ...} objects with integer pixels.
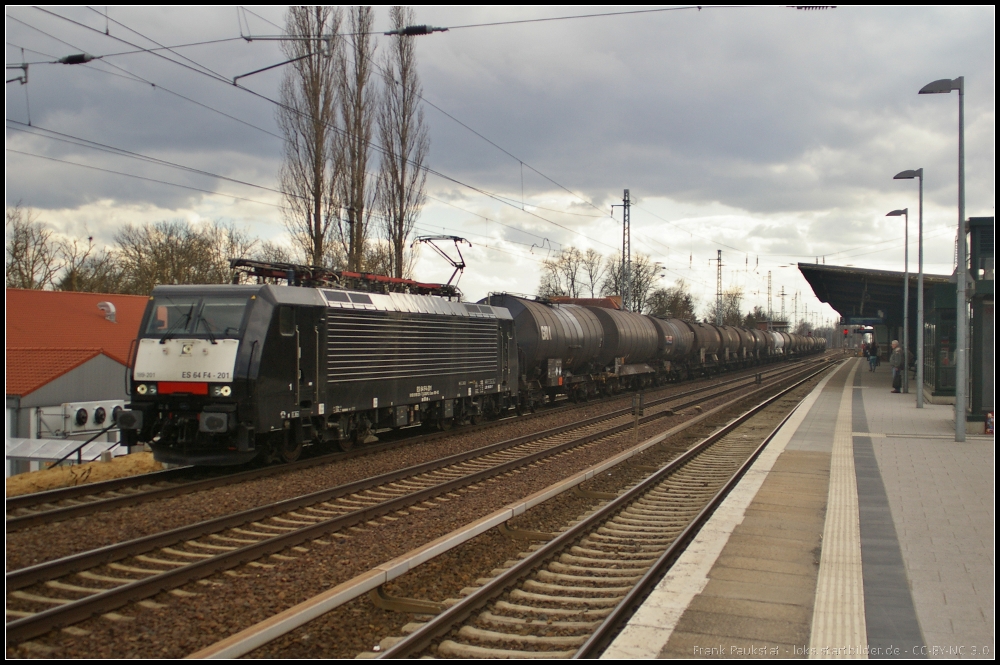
[{"x": 367, "y": 346}]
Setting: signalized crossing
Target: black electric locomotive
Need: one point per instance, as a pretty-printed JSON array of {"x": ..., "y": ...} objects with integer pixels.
[{"x": 224, "y": 374}]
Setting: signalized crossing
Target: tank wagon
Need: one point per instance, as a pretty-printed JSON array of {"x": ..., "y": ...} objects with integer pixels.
[
  {"x": 562, "y": 351},
  {"x": 224, "y": 374}
]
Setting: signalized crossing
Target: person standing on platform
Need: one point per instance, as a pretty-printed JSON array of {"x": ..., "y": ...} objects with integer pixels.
[
  {"x": 896, "y": 361},
  {"x": 874, "y": 354}
]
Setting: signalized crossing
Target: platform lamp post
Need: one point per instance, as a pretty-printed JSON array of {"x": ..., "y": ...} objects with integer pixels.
[
  {"x": 905, "y": 214},
  {"x": 919, "y": 175},
  {"x": 961, "y": 273}
]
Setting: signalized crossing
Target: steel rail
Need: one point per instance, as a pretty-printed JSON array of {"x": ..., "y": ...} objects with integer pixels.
[
  {"x": 21, "y": 522},
  {"x": 42, "y": 622},
  {"x": 25, "y": 628},
  {"x": 464, "y": 609}
]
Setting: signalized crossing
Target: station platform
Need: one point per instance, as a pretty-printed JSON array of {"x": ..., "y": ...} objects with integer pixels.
[{"x": 863, "y": 531}]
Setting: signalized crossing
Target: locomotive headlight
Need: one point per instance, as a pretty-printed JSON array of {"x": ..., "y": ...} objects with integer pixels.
[
  {"x": 221, "y": 391},
  {"x": 142, "y": 389}
]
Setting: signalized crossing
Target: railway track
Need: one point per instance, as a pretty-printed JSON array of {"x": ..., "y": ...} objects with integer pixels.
[
  {"x": 570, "y": 596},
  {"x": 79, "y": 586},
  {"x": 33, "y": 510}
]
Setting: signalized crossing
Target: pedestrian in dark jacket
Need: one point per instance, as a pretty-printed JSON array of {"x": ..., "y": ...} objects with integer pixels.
[{"x": 896, "y": 361}]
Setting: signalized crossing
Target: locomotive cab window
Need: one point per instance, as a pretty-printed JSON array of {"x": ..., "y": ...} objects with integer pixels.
[
  {"x": 200, "y": 316},
  {"x": 286, "y": 320}
]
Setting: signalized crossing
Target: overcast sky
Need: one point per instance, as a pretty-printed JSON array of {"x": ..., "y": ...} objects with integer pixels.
[{"x": 769, "y": 133}]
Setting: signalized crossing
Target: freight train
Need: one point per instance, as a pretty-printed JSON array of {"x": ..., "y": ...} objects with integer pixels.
[{"x": 225, "y": 374}]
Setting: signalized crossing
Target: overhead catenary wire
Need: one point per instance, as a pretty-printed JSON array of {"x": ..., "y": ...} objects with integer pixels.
[
  {"x": 139, "y": 177},
  {"x": 497, "y": 197},
  {"x": 548, "y": 19},
  {"x": 103, "y": 147},
  {"x": 374, "y": 145}
]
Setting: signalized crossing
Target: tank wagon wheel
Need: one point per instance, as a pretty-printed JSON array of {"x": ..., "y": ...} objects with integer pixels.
[
  {"x": 346, "y": 444},
  {"x": 445, "y": 424}
]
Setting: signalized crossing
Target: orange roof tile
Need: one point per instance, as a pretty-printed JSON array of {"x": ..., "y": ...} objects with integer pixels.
[
  {"x": 28, "y": 369},
  {"x": 52, "y": 332},
  {"x": 71, "y": 320}
]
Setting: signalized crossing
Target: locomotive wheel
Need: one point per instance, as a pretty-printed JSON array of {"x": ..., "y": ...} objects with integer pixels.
[{"x": 291, "y": 449}]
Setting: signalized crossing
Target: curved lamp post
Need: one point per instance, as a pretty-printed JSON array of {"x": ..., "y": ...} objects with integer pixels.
[
  {"x": 905, "y": 214},
  {"x": 961, "y": 272},
  {"x": 919, "y": 175}
]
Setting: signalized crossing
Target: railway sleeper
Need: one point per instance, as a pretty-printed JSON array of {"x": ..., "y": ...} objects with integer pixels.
[
  {"x": 562, "y": 568},
  {"x": 480, "y": 635},
  {"x": 549, "y": 588},
  {"x": 541, "y": 598},
  {"x": 600, "y": 581},
  {"x": 452, "y": 649},
  {"x": 501, "y": 620},
  {"x": 548, "y": 612},
  {"x": 582, "y": 554}
]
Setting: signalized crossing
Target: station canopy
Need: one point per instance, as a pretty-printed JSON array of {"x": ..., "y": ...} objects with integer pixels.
[{"x": 863, "y": 296}]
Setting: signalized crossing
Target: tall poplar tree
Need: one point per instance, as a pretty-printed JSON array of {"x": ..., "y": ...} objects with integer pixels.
[
  {"x": 358, "y": 100},
  {"x": 404, "y": 140},
  {"x": 307, "y": 118}
]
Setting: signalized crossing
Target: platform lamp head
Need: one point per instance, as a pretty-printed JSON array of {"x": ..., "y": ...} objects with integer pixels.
[{"x": 909, "y": 175}]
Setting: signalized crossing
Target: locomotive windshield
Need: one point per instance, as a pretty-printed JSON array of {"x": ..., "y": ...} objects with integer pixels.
[{"x": 209, "y": 316}]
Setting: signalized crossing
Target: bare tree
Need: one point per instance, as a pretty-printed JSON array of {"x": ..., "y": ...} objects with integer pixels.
[
  {"x": 594, "y": 268},
  {"x": 643, "y": 276},
  {"x": 550, "y": 283},
  {"x": 356, "y": 188},
  {"x": 378, "y": 259},
  {"x": 562, "y": 276},
  {"x": 404, "y": 141},
  {"x": 732, "y": 302},
  {"x": 90, "y": 270},
  {"x": 675, "y": 301},
  {"x": 32, "y": 258},
  {"x": 307, "y": 117},
  {"x": 272, "y": 252},
  {"x": 755, "y": 316},
  {"x": 176, "y": 253},
  {"x": 570, "y": 265}
]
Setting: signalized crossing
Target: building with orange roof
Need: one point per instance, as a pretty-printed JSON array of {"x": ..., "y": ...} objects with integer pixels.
[{"x": 66, "y": 348}]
